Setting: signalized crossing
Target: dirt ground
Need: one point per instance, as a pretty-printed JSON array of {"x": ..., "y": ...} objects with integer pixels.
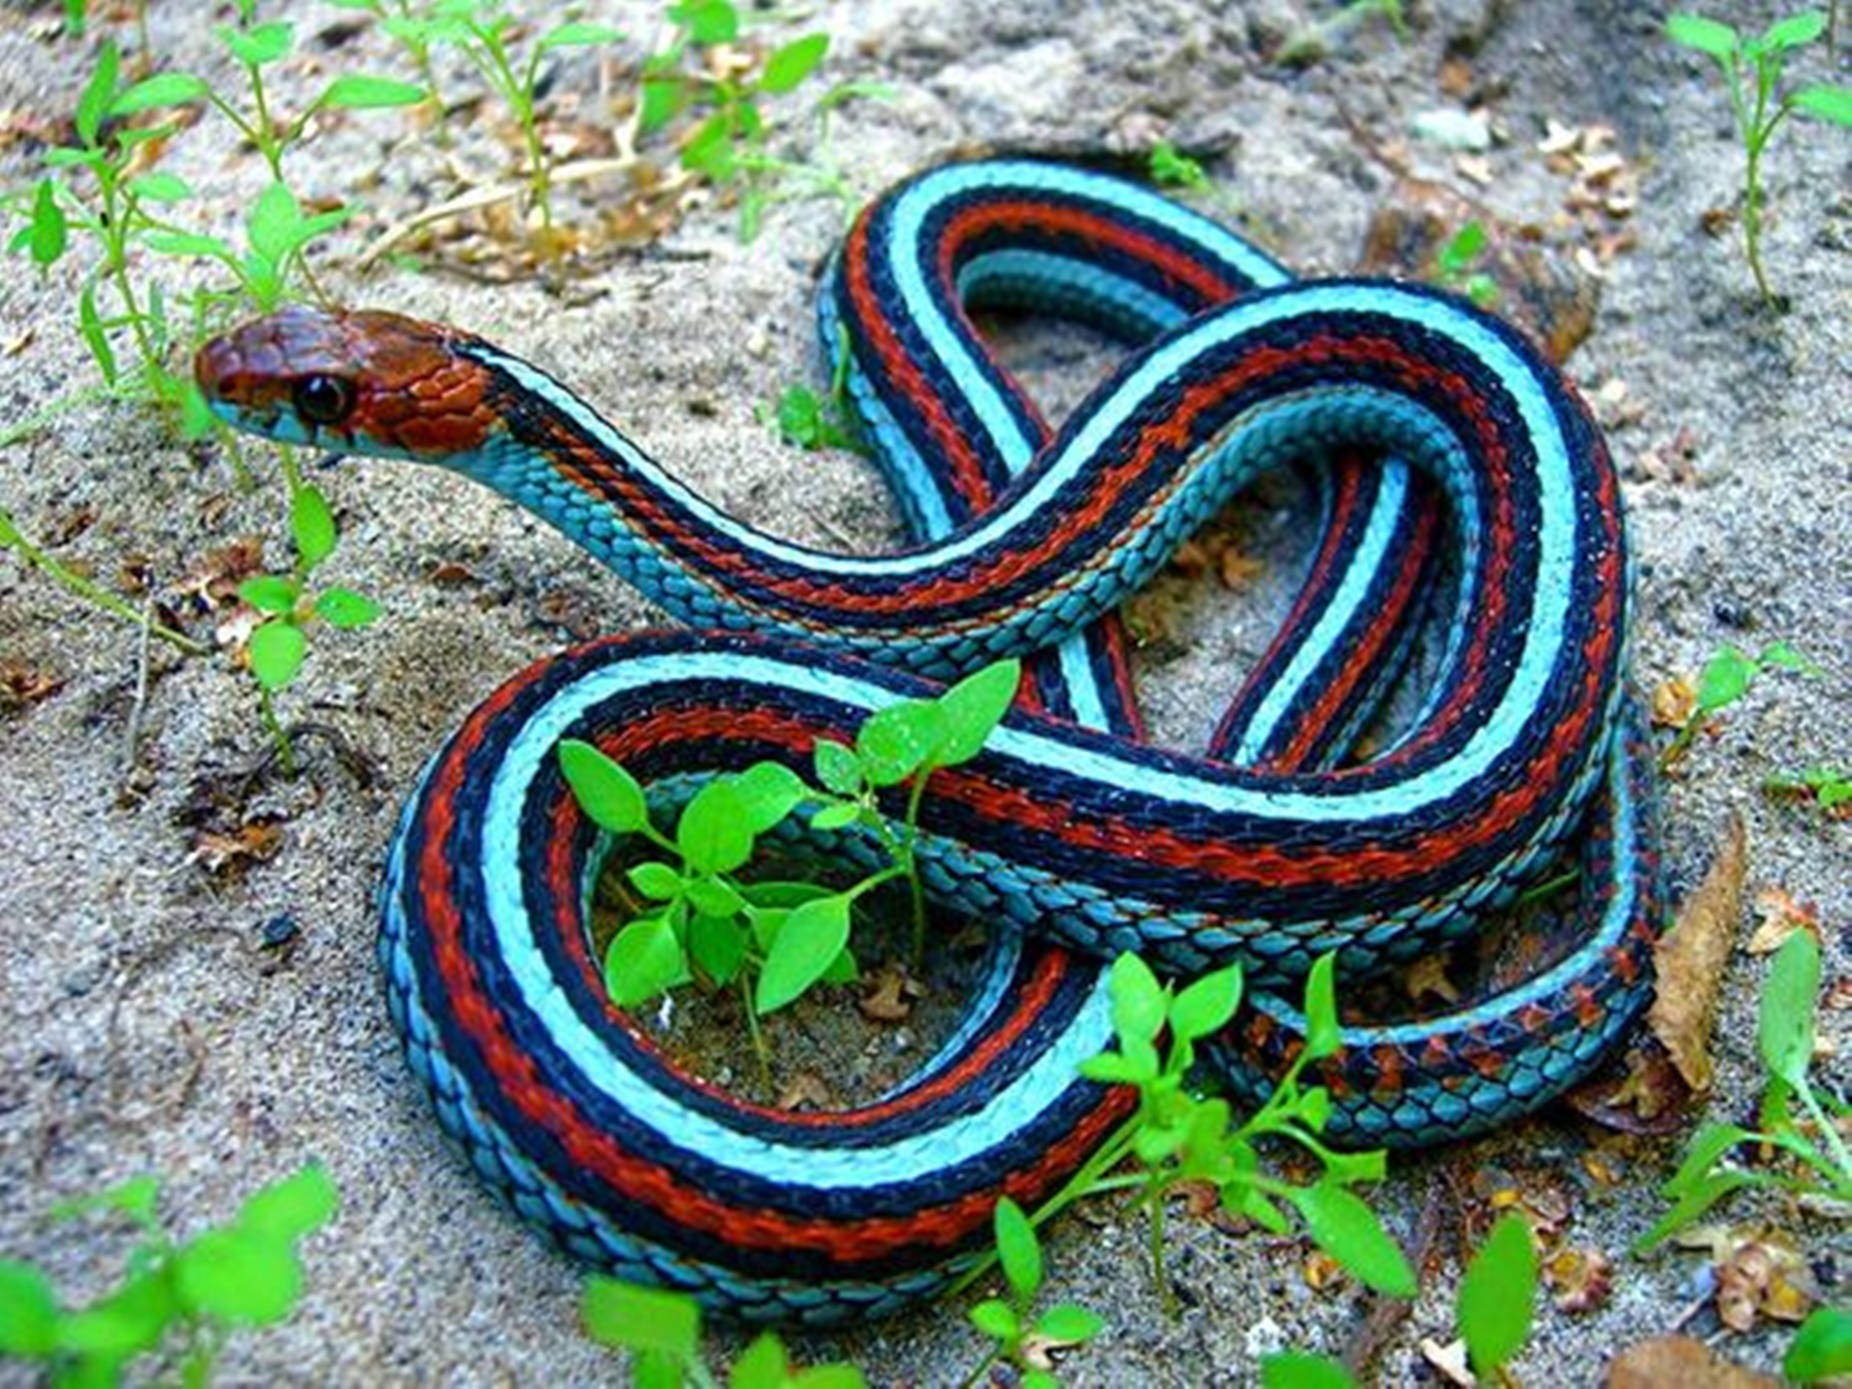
[{"x": 145, "y": 1026}]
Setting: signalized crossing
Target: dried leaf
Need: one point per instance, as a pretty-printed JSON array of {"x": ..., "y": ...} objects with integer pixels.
[
  {"x": 21, "y": 684},
  {"x": 1649, "y": 1097},
  {"x": 891, "y": 998},
  {"x": 226, "y": 854},
  {"x": 1675, "y": 700},
  {"x": 1763, "y": 1277},
  {"x": 1448, "y": 1361},
  {"x": 1679, "y": 1362},
  {"x": 1689, "y": 961},
  {"x": 1778, "y": 916},
  {"x": 1580, "y": 1280},
  {"x": 806, "y": 1090}
]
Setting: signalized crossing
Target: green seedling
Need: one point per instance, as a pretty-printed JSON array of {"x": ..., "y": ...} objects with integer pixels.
[
  {"x": 662, "y": 1332},
  {"x": 1751, "y": 69},
  {"x": 774, "y": 940},
  {"x": 290, "y": 608},
  {"x": 814, "y": 422},
  {"x": 1454, "y": 266},
  {"x": 1023, "y": 1339},
  {"x": 1826, "y": 788},
  {"x": 727, "y": 146},
  {"x": 417, "y": 33},
  {"x": 116, "y": 207},
  {"x": 1725, "y": 678},
  {"x": 256, "y": 47},
  {"x": 1178, "y": 1136},
  {"x": 1316, "y": 40},
  {"x": 1498, "y": 1295},
  {"x": 91, "y": 592},
  {"x": 178, "y": 1299},
  {"x": 1171, "y": 168},
  {"x": 488, "y": 36},
  {"x": 1820, "y": 1163}
]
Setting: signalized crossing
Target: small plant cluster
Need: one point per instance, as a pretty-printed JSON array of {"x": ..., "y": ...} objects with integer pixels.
[
  {"x": 662, "y": 1332},
  {"x": 178, "y": 1300},
  {"x": 290, "y": 608},
  {"x": 1820, "y": 1163},
  {"x": 703, "y": 920},
  {"x": 1751, "y": 69},
  {"x": 1725, "y": 678}
]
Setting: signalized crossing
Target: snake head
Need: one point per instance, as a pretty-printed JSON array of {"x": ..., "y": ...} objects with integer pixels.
[{"x": 350, "y": 381}]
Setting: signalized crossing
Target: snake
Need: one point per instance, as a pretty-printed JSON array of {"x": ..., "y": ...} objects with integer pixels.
[{"x": 1466, "y": 503}]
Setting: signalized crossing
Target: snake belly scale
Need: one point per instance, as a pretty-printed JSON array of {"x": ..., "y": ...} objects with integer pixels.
[{"x": 1458, "y": 474}]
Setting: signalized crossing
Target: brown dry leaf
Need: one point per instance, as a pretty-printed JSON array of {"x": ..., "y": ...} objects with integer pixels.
[
  {"x": 1689, "y": 960},
  {"x": 1456, "y": 77},
  {"x": 1580, "y": 1280},
  {"x": 227, "y": 854},
  {"x": 806, "y": 1090},
  {"x": 1679, "y": 1362},
  {"x": 1237, "y": 570},
  {"x": 1427, "y": 978},
  {"x": 1763, "y": 1277},
  {"x": 451, "y": 574},
  {"x": 1673, "y": 459},
  {"x": 214, "y": 583},
  {"x": 1649, "y": 1097},
  {"x": 21, "y": 684},
  {"x": 1322, "y": 1272},
  {"x": 1674, "y": 702},
  {"x": 892, "y": 997},
  {"x": 1778, "y": 916},
  {"x": 1449, "y": 1361}
]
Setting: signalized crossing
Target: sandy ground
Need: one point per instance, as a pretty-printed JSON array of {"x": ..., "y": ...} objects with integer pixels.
[{"x": 145, "y": 1028}]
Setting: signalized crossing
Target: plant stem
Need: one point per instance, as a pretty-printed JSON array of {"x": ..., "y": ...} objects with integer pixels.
[
  {"x": 1160, "y": 1281},
  {"x": 286, "y": 754},
  {"x": 759, "y": 1048},
  {"x": 86, "y": 589}
]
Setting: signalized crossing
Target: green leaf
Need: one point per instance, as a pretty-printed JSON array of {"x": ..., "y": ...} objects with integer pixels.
[
  {"x": 47, "y": 234},
  {"x": 1348, "y": 1230},
  {"x": 662, "y": 100},
  {"x": 259, "y": 45},
  {"x": 972, "y": 709},
  {"x": 828, "y": 1377},
  {"x": 1821, "y": 1348},
  {"x": 293, "y": 1207},
  {"x": 843, "y": 969},
  {"x": 838, "y": 768},
  {"x": 1705, "y": 35},
  {"x": 1795, "y": 31},
  {"x": 135, "y": 1198},
  {"x": 1323, "y": 1036},
  {"x": 1206, "y": 1005},
  {"x": 163, "y": 89},
  {"x": 644, "y": 960},
  {"x": 762, "y": 1365},
  {"x": 1138, "y": 1001},
  {"x": 1497, "y": 1293},
  {"x": 188, "y": 244},
  {"x": 709, "y": 151},
  {"x": 713, "y": 833},
  {"x": 1786, "y": 656},
  {"x": 1696, "y": 1199},
  {"x": 1724, "y": 679},
  {"x": 345, "y": 609},
  {"x": 768, "y": 791},
  {"x": 708, "y": 21},
  {"x": 792, "y": 63},
  {"x": 312, "y": 523},
  {"x": 357, "y": 92},
  {"x": 576, "y": 36},
  {"x": 836, "y": 816},
  {"x": 1827, "y": 102},
  {"x": 718, "y": 946},
  {"x": 129, "y": 1320},
  {"x": 1300, "y": 1370},
  {"x": 274, "y": 225},
  {"x": 93, "y": 105},
  {"x": 160, "y": 187},
  {"x": 1121, "y": 1068},
  {"x": 807, "y": 944},
  {"x": 28, "y": 1310},
  {"x": 714, "y": 897},
  {"x": 1069, "y": 1325},
  {"x": 652, "y": 1369},
  {"x": 893, "y": 743},
  {"x": 996, "y": 1319},
  {"x": 1784, "y": 1031},
  {"x": 275, "y": 653},
  {"x": 1017, "y": 1249},
  {"x": 641, "y": 1319},
  {"x": 238, "y": 1276},
  {"x": 96, "y": 337},
  {"x": 605, "y": 791},
  {"x": 656, "y": 881}
]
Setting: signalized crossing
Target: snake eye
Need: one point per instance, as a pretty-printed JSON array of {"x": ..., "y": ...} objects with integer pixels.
[{"x": 323, "y": 399}]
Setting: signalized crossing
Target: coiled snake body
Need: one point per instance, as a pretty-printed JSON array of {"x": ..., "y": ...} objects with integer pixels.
[{"x": 1438, "y": 431}]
